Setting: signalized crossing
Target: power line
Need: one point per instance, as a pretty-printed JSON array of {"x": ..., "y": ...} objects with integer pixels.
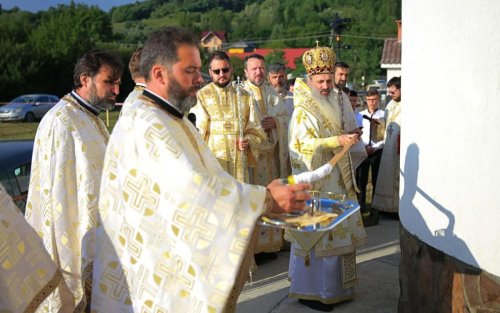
[
  {"x": 367, "y": 37},
  {"x": 279, "y": 39},
  {"x": 310, "y": 36},
  {"x": 282, "y": 39}
]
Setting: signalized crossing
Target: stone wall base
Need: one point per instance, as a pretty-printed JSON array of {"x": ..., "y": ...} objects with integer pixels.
[{"x": 434, "y": 282}]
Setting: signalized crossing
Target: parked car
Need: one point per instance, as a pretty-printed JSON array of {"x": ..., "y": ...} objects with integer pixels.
[
  {"x": 15, "y": 169},
  {"x": 27, "y": 107}
]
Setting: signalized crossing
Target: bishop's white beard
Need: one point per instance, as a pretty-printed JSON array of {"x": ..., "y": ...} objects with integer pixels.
[{"x": 328, "y": 106}]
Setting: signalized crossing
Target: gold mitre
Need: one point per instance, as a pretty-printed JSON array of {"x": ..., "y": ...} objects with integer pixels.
[{"x": 319, "y": 60}]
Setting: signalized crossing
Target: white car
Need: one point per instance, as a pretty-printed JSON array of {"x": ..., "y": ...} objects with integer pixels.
[{"x": 28, "y": 107}]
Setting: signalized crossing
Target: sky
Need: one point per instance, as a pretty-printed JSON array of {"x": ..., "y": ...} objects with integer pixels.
[{"x": 42, "y": 5}]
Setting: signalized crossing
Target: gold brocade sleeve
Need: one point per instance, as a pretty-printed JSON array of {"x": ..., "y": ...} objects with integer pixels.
[
  {"x": 304, "y": 141},
  {"x": 330, "y": 142}
]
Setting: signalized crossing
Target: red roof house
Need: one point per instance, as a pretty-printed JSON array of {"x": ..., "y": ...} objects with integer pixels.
[
  {"x": 290, "y": 54},
  {"x": 391, "y": 55}
]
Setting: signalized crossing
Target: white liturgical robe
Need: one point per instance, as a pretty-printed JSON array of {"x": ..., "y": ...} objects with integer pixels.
[
  {"x": 323, "y": 264},
  {"x": 175, "y": 225},
  {"x": 63, "y": 195},
  {"x": 386, "y": 196},
  {"x": 273, "y": 159},
  {"x": 27, "y": 273},
  {"x": 132, "y": 96}
]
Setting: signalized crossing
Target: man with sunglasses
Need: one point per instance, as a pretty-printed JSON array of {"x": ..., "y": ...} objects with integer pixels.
[
  {"x": 220, "y": 112},
  {"x": 386, "y": 196}
]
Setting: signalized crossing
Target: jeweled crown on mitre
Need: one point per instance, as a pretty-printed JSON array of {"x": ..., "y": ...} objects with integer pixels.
[{"x": 319, "y": 60}]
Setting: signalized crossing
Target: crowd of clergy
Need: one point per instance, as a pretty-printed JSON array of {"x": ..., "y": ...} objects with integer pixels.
[{"x": 162, "y": 215}]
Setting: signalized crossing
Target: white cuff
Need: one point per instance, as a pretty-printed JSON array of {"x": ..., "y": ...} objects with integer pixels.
[{"x": 317, "y": 174}]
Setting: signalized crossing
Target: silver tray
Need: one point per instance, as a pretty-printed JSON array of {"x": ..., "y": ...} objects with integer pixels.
[{"x": 345, "y": 209}]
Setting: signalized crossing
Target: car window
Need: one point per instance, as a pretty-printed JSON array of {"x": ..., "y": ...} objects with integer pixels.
[
  {"x": 30, "y": 99},
  {"x": 19, "y": 100},
  {"x": 4, "y": 180},
  {"x": 22, "y": 174},
  {"x": 54, "y": 99},
  {"x": 43, "y": 100}
]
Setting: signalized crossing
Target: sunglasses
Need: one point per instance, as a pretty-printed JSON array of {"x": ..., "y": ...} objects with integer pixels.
[{"x": 224, "y": 70}]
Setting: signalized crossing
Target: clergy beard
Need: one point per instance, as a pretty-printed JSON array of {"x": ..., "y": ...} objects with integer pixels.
[
  {"x": 279, "y": 88},
  {"x": 328, "y": 105},
  {"x": 222, "y": 85},
  {"x": 258, "y": 81},
  {"x": 180, "y": 97},
  {"x": 341, "y": 84},
  {"x": 105, "y": 103}
]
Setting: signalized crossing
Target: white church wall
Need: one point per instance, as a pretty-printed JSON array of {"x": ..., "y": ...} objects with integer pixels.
[{"x": 450, "y": 144}]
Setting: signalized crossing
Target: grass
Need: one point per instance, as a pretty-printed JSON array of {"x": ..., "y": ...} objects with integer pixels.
[{"x": 22, "y": 130}]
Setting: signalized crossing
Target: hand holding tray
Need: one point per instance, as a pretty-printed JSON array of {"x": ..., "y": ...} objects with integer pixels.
[{"x": 328, "y": 214}]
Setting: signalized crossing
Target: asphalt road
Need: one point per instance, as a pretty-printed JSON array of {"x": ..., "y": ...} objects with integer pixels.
[{"x": 377, "y": 290}]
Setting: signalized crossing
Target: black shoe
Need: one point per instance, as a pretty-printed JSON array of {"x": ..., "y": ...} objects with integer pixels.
[
  {"x": 317, "y": 305},
  {"x": 264, "y": 257},
  {"x": 370, "y": 218},
  {"x": 390, "y": 215},
  {"x": 286, "y": 246}
]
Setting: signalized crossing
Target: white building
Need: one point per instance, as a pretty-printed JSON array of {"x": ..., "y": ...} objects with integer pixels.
[{"x": 450, "y": 146}]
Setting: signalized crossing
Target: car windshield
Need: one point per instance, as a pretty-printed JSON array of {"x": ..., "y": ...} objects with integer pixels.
[{"x": 25, "y": 99}]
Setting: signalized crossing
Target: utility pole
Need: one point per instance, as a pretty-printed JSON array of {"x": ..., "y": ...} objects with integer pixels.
[{"x": 337, "y": 26}]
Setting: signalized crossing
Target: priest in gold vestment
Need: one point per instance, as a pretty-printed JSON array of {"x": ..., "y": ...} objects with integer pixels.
[
  {"x": 386, "y": 197},
  {"x": 65, "y": 178},
  {"x": 323, "y": 265},
  {"x": 220, "y": 113},
  {"x": 175, "y": 225},
  {"x": 27, "y": 273},
  {"x": 273, "y": 159}
]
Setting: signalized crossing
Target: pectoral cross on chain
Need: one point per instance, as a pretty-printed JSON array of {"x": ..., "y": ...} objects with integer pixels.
[{"x": 239, "y": 84}]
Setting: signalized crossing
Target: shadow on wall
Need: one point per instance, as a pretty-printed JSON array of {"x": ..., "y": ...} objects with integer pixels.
[
  {"x": 444, "y": 236},
  {"x": 430, "y": 280}
]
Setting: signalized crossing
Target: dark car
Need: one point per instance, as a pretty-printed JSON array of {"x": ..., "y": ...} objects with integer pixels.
[
  {"x": 15, "y": 169},
  {"x": 28, "y": 107}
]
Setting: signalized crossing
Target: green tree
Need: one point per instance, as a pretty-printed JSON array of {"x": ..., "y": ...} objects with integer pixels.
[
  {"x": 62, "y": 36},
  {"x": 238, "y": 67},
  {"x": 275, "y": 56},
  {"x": 16, "y": 63},
  {"x": 299, "y": 70}
]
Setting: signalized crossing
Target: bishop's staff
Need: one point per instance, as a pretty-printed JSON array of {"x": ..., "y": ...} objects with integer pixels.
[{"x": 241, "y": 125}]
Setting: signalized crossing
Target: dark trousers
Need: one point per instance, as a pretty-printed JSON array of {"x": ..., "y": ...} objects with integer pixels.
[{"x": 362, "y": 172}]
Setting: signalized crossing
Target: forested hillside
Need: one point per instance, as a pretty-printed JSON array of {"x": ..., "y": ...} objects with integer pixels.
[{"x": 40, "y": 49}]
